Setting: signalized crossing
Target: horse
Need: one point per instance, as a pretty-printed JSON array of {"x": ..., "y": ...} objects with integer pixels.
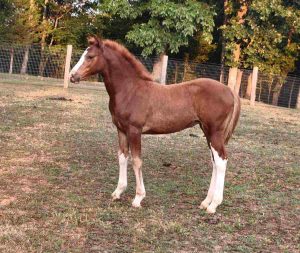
[{"x": 138, "y": 105}]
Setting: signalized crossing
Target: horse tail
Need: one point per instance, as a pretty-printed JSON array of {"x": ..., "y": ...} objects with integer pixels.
[{"x": 233, "y": 117}]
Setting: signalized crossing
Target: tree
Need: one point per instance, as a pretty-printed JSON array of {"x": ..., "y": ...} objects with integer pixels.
[
  {"x": 25, "y": 27},
  {"x": 52, "y": 12},
  {"x": 6, "y": 16},
  {"x": 263, "y": 33},
  {"x": 163, "y": 26},
  {"x": 274, "y": 44}
]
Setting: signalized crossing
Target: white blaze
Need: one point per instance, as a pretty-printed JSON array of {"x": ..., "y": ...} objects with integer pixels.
[{"x": 79, "y": 63}]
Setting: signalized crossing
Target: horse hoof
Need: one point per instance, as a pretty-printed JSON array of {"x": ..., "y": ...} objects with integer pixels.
[
  {"x": 115, "y": 196},
  {"x": 204, "y": 205},
  {"x": 136, "y": 204},
  {"x": 211, "y": 210}
]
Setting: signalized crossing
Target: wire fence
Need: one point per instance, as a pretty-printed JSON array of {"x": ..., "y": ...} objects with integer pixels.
[
  {"x": 271, "y": 89},
  {"x": 32, "y": 60},
  {"x": 24, "y": 63}
]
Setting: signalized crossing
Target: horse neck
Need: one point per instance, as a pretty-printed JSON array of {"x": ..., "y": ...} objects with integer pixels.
[{"x": 119, "y": 75}]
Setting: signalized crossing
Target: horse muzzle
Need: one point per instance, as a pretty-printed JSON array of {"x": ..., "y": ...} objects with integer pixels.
[{"x": 74, "y": 78}]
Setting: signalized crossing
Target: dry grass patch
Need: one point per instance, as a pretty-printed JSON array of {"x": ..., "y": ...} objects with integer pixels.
[{"x": 58, "y": 167}]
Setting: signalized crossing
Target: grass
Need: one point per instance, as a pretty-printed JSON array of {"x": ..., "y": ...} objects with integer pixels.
[{"x": 58, "y": 167}]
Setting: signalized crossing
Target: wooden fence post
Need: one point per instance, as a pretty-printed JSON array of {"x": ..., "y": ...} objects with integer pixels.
[
  {"x": 164, "y": 67},
  {"x": 222, "y": 77},
  {"x": 11, "y": 64},
  {"x": 238, "y": 81},
  {"x": 298, "y": 100},
  {"x": 67, "y": 66},
  {"x": 156, "y": 71},
  {"x": 232, "y": 77},
  {"x": 253, "y": 85}
]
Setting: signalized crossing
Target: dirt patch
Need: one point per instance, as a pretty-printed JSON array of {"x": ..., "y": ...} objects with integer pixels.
[
  {"x": 7, "y": 200},
  {"x": 60, "y": 99}
]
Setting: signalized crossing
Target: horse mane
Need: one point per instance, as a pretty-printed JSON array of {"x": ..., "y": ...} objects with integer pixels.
[{"x": 135, "y": 63}]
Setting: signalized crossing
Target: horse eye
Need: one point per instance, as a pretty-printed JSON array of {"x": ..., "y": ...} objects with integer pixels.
[{"x": 90, "y": 57}]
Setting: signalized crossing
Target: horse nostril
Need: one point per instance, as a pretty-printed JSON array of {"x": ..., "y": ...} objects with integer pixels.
[{"x": 74, "y": 78}]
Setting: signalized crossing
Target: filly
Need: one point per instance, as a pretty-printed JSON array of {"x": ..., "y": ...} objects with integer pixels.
[{"x": 139, "y": 106}]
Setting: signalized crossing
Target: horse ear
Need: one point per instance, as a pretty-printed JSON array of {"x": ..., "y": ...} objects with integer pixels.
[{"x": 93, "y": 40}]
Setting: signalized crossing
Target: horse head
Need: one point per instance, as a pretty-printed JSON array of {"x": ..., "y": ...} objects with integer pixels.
[{"x": 91, "y": 61}]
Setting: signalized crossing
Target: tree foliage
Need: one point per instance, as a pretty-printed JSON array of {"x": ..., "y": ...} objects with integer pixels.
[
  {"x": 6, "y": 11},
  {"x": 267, "y": 33},
  {"x": 162, "y": 26},
  {"x": 269, "y": 37},
  {"x": 21, "y": 21}
]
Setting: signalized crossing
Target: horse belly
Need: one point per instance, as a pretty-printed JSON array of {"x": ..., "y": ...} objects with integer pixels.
[
  {"x": 170, "y": 110},
  {"x": 161, "y": 123}
]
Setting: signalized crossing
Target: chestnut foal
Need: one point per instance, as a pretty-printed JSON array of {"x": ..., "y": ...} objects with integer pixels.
[{"x": 139, "y": 106}]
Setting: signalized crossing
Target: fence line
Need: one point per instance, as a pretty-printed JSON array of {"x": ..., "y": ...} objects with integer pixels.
[{"x": 23, "y": 61}]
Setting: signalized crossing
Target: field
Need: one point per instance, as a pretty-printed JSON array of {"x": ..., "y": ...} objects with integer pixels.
[{"x": 58, "y": 168}]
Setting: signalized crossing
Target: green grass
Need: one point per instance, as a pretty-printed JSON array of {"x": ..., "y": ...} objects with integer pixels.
[{"x": 58, "y": 167}]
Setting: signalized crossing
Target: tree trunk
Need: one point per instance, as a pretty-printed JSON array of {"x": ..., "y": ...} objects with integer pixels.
[
  {"x": 32, "y": 8},
  {"x": 189, "y": 69},
  {"x": 248, "y": 90},
  {"x": 291, "y": 92},
  {"x": 238, "y": 81},
  {"x": 270, "y": 90},
  {"x": 176, "y": 72},
  {"x": 44, "y": 21},
  {"x": 275, "y": 98},
  {"x": 11, "y": 64},
  {"x": 237, "y": 53},
  {"x": 260, "y": 90},
  {"x": 25, "y": 61},
  {"x": 222, "y": 74},
  {"x": 185, "y": 67},
  {"x": 241, "y": 19},
  {"x": 276, "y": 93},
  {"x": 43, "y": 60}
]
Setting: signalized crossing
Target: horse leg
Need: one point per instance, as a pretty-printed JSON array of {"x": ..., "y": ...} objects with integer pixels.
[
  {"x": 205, "y": 203},
  {"x": 123, "y": 154},
  {"x": 220, "y": 161},
  {"x": 135, "y": 148}
]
